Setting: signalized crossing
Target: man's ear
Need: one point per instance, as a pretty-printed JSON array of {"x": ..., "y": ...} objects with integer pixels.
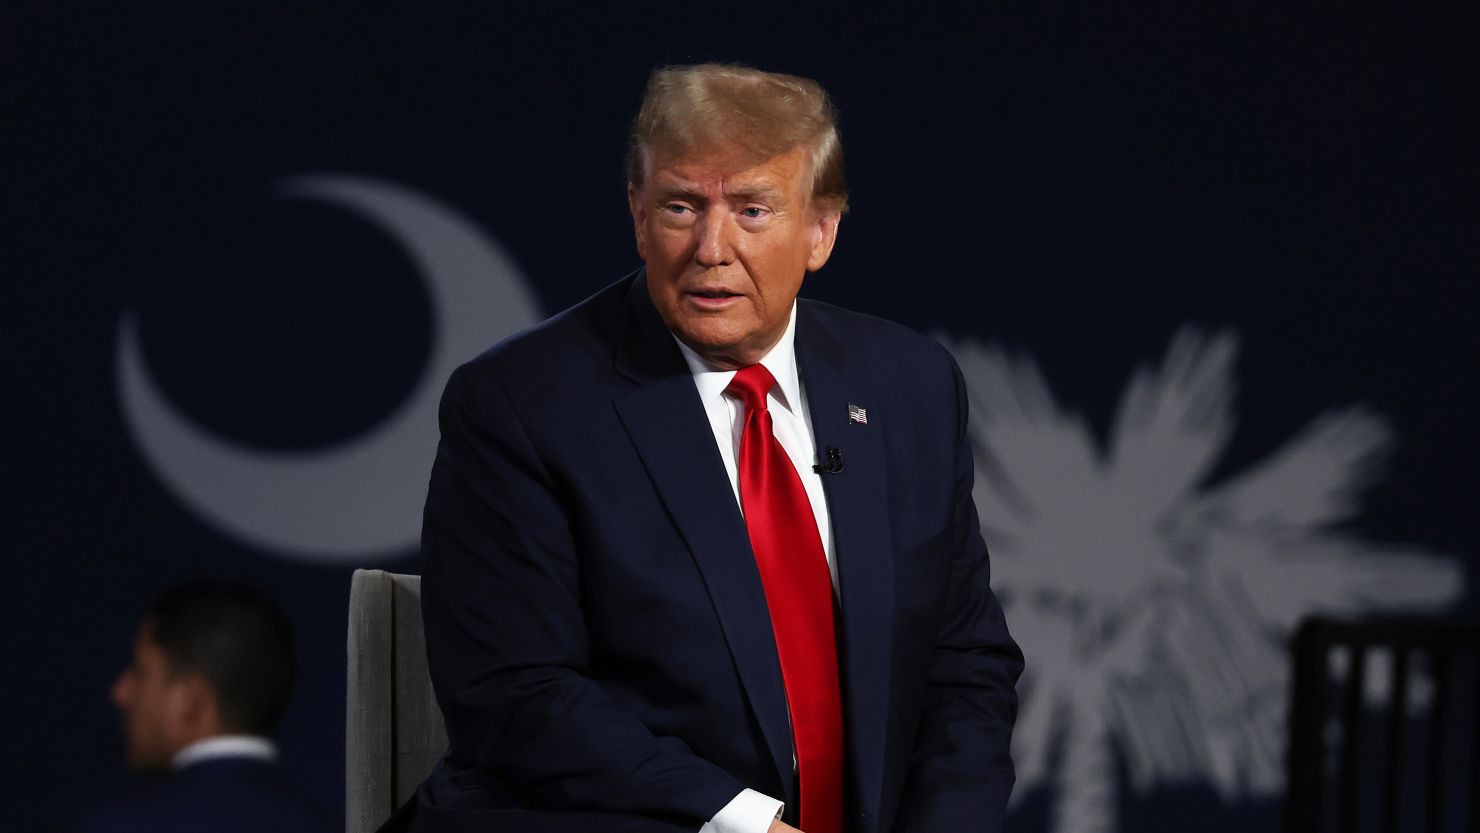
[
  {"x": 195, "y": 703},
  {"x": 824, "y": 235},
  {"x": 639, "y": 218}
]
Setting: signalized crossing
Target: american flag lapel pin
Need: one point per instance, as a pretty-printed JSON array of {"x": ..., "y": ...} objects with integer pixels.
[{"x": 857, "y": 415}]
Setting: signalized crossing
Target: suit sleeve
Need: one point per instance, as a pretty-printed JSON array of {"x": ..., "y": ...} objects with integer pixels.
[
  {"x": 507, "y": 642},
  {"x": 961, "y": 771}
]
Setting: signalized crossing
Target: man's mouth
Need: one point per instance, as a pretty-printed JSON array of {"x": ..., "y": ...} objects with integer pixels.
[{"x": 712, "y": 298}]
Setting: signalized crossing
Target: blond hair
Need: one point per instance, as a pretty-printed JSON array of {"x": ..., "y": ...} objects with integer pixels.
[{"x": 764, "y": 113}]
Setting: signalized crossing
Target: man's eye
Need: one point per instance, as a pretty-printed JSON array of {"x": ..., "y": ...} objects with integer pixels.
[
  {"x": 752, "y": 212},
  {"x": 675, "y": 208}
]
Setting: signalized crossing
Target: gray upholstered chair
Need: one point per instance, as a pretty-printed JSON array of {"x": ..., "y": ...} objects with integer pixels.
[{"x": 393, "y": 731}]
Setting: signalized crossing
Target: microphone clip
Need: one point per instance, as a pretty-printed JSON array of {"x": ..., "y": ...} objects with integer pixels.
[{"x": 833, "y": 464}]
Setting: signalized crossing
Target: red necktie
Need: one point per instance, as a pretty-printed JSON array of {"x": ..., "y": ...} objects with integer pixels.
[{"x": 793, "y": 568}]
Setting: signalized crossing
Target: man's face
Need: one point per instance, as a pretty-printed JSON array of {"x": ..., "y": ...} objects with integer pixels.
[
  {"x": 727, "y": 241},
  {"x": 152, "y": 700}
]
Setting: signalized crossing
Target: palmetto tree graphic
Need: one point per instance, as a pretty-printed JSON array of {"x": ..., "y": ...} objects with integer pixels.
[{"x": 1154, "y": 607}]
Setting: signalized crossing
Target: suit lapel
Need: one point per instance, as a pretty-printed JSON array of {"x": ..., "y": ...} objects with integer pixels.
[
  {"x": 857, "y": 501},
  {"x": 667, "y": 425}
]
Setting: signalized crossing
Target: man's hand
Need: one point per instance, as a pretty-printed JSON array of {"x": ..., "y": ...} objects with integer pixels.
[{"x": 779, "y": 826}]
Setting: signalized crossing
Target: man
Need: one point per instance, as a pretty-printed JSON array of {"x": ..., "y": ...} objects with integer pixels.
[
  {"x": 211, "y": 673},
  {"x": 645, "y": 608}
]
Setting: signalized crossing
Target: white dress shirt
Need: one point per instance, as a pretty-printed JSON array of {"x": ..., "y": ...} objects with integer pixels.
[
  {"x": 790, "y": 421},
  {"x": 752, "y": 811},
  {"x": 224, "y": 746}
]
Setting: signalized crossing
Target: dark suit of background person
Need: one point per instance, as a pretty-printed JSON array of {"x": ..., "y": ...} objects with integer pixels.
[
  {"x": 597, "y": 630},
  {"x": 211, "y": 673},
  {"x": 226, "y": 795}
]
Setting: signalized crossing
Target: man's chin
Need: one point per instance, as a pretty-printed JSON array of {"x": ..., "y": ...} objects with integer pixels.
[
  {"x": 726, "y": 340},
  {"x": 722, "y": 354}
]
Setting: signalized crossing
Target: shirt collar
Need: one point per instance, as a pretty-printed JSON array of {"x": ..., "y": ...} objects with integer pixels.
[
  {"x": 253, "y": 747},
  {"x": 781, "y": 360}
]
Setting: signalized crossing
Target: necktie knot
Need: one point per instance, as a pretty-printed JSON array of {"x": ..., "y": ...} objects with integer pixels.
[{"x": 751, "y": 385}]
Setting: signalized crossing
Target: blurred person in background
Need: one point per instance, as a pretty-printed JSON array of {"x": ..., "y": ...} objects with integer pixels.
[{"x": 211, "y": 673}]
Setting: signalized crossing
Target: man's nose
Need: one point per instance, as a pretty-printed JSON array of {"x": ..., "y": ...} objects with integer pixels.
[{"x": 716, "y": 243}]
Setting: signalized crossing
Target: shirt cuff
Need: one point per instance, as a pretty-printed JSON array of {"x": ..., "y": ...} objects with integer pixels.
[{"x": 748, "y": 812}]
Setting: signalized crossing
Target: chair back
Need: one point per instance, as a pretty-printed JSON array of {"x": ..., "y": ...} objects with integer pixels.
[
  {"x": 394, "y": 733},
  {"x": 1384, "y": 727}
]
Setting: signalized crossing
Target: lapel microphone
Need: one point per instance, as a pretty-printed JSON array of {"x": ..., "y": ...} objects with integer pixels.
[{"x": 834, "y": 463}]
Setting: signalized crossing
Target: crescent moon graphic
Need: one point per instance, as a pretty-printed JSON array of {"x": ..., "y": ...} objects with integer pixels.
[{"x": 361, "y": 499}]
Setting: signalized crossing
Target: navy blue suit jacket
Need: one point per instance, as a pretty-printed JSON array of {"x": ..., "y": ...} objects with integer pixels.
[
  {"x": 224, "y": 795},
  {"x": 596, "y": 627}
]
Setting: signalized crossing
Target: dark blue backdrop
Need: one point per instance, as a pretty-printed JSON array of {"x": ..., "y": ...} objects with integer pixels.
[{"x": 1074, "y": 185}]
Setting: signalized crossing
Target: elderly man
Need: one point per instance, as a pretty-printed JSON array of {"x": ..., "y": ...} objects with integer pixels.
[{"x": 700, "y": 555}]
